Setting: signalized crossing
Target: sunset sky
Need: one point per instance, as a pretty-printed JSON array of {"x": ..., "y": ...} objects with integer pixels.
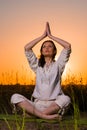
[{"x": 24, "y": 20}]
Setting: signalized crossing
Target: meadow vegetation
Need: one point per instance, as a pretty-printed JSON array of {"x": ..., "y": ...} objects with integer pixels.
[
  {"x": 77, "y": 93},
  {"x": 75, "y": 118}
]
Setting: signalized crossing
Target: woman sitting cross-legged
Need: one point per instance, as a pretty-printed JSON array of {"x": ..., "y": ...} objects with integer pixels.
[{"x": 49, "y": 100}]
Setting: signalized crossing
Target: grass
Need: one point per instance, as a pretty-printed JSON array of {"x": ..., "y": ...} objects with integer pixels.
[
  {"x": 74, "y": 120},
  {"x": 20, "y": 122},
  {"x": 66, "y": 120}
]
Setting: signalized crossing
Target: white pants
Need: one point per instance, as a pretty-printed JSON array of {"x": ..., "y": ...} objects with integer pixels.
[{"x": 62, "y": 100}]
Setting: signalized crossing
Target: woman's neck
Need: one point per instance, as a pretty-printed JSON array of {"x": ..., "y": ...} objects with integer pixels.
[{"x": 48, "y": 60}]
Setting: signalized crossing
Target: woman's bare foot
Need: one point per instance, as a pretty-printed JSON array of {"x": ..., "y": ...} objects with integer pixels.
[{"x": 50, "y": 117}]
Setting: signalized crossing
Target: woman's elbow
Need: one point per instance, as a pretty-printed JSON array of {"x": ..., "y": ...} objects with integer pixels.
[
  {"x": 68, "y": 46},
  {"x": 26, "y": 48}
]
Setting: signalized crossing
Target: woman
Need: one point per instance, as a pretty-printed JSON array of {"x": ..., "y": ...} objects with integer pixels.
[{"x": 49, "y": 99}]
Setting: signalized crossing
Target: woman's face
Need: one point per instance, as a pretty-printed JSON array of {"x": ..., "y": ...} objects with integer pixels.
[{"x": 48, "y": 49}]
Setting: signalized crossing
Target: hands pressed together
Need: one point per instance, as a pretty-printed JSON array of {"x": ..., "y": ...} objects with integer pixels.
[{"x": 47, "y": 31}]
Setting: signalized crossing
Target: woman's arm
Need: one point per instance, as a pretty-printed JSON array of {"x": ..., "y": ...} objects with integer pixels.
[
  {"x": 31, "y": 44},
  {"x": 63, "y": 43}
]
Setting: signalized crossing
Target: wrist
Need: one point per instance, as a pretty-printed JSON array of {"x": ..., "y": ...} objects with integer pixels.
[
  {"x": 44, "y": 35},
  {"x": 50, "y": 36}
]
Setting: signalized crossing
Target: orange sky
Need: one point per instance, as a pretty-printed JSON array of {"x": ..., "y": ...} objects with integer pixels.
[{"x": 23, "y": 20}]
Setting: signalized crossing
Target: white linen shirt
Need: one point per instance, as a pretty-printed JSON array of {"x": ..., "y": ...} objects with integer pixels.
[{"x": 48, "y": 82}]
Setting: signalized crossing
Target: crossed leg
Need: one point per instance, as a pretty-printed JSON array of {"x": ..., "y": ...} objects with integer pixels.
[
  {"x": 49, "y": 113},
  {"x": 52, "y": 109}
]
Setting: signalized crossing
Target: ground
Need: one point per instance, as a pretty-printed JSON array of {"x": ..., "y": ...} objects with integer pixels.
[
  {"x": 42, "y": 126},
  {"x": 10, "y": 122}
]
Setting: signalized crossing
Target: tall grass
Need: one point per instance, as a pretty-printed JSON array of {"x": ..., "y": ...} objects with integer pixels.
[
  {"x": 23, "y": 76},
  {"x": 26, "y": 76},
  {"x": 76, "y": 116},
  {"x": 75, "y": 89},
  {"x": 19, "y": 123}
]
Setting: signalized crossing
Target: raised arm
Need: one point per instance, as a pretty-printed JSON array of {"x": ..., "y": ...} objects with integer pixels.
[
  {"x": 63, "y": 43},
  {"x": 31, "y": 44}
]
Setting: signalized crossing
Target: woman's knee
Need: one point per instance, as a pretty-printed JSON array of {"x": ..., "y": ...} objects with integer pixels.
[
  {"x": 15, "y": 98},
  {"x": 63, "y": 101},
  {"x": 68, "y": 100}
]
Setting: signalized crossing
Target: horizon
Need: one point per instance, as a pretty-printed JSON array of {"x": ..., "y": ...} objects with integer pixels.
[{"x": 25, "y": 79}]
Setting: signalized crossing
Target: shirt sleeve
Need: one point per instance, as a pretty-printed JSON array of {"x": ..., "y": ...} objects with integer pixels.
[
  {"x": 63, "y": 59},
  {"x": 32, "y": 59}
]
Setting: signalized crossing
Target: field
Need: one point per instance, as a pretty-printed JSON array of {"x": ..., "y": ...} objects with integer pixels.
[{"x": 75, "y": 118}]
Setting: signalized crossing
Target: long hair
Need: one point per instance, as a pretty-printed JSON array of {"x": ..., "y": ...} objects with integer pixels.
[{"x": 42, "y": 59}]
